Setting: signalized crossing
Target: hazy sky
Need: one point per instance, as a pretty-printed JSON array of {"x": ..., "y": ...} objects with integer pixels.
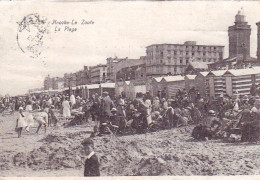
[{"x": 123, "y": 29}]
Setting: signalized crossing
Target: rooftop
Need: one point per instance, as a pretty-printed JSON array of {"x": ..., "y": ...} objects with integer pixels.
[
  {"x": 199, "y": 65},
  {"x": 158, "y": 79},
  {"x": 204, "y": 73},
  {"x": 187, "y": 44},
  {"x": 218, "y": 72},
  {"x": 173, "y": 78},
  {"x": 191, "y": 76},
  {"x": 244, "y": 72}
]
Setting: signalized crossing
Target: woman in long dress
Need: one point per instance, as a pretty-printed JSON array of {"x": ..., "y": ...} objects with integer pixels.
[
  {"x": 66, "y": 108},
  {"x": 148, "y": 103},
  {"x": 72, "y": 100},
  {"x": 29, "y": 116},
  {"x": 21, "y": 123}
]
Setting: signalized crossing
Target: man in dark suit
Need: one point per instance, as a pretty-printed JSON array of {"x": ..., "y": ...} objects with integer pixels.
[{"x": 91, "y": 163}]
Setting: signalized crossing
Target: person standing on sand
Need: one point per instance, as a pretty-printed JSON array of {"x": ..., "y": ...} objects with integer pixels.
[
  {"x": 66, "y": 108},
  {"x": 72, "y": 100},
  {"x": 91, "y": 163},
  {"x": 29, "y": 116},
  {"x": 21, "y": 123}
]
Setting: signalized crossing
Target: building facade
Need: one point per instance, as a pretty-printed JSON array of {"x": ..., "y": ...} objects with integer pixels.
[
  {"x": 111, "y": 62},
  {"x": 126, "y": 63},
  {"x": 98, "y": 74},
  {"x": 70, "y": 79},
  {"x": 83, "y": 76},
  {"x": 239, "y": 37},
  {"x": 47, "y": 83},
  {"x": 130, "y": 73},
  {"x": 258, "y": 42},
  {"x": 58, "y": 83},
  {"x": 51, "y": 83},
  {"x": 172, "y": 59}
]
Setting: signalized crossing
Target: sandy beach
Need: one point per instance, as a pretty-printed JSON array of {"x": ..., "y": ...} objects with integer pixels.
[{"x": 167, "y": 152}]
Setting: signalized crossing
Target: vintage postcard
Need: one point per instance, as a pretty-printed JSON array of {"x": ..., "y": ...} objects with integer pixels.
[{"x": 129, "y": 88}]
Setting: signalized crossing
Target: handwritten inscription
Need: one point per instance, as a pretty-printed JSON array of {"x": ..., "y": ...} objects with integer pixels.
[{"x": 69, "y": 26}]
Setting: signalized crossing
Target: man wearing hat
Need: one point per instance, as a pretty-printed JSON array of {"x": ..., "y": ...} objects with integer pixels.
[{"x": 91, "y": 163}]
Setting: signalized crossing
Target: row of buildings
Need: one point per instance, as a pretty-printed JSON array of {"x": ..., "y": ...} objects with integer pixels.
[
  {"x": 167, "y": 60},
  {"x": 160, "y": 60}
]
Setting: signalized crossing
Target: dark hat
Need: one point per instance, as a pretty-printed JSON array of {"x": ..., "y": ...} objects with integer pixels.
[{"x": 87, "y": 141}]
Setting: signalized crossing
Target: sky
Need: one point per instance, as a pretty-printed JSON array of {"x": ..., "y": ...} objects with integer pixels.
[{"x": 121, "y": 29}]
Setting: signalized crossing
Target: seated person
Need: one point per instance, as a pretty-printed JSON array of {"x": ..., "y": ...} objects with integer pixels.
[{"x": 157, "y": 120}]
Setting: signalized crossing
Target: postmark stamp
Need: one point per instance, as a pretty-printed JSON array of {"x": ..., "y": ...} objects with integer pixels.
[{"x": 31, "y": 33}]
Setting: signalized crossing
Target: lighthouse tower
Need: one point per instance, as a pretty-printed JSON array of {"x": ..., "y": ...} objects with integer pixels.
[
  {"x": 258, "y": 43},
  {"x": 239, "y": 37}
]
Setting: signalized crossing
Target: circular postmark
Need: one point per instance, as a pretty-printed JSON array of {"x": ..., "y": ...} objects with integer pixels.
[{"x": 30, "y": 34}]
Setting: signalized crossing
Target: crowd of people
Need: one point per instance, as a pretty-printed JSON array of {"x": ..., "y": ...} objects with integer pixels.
[
  {"x": 219, "y": 117},
  {"x": 213, "y": 117}
]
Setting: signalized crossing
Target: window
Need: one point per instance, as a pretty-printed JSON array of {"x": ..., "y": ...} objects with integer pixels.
[
  {"x": 187, "y": 60},
  {"x": 204, "y": 54},
  {"x": 175, "y": 52},
  {"x": 181, "y": 61},
  {"x": 192, "y": 54},
  {"x": 187, "y": 53}
]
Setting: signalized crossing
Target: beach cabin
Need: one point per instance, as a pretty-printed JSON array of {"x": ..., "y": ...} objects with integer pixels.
[
  {"x": 119, "y": 87},
  {"x": 240, "y": 80},
  {"x": 148, "y": 85},
  {"x": 189, "y": 81},
  {"x": 92, "y": 89},
  {"x": 126, "y": 88},
  {"x": 108, "y": 87},
  {"x": 217, "y": 84},
  {"x": 156, "y": 85},
  {"x": 172, "y": 84},
  {"x": 66, "y": 90},
  {"x": 136, "y": 86},
  {"x": 73, "y": 89},
  {"x": 202, "y": 83}
]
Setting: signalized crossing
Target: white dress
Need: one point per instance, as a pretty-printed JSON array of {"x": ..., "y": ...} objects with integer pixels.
[
  {"x": 66, "y": 109},
  {"x": 21, "y": 121},
  {"x": 148, "y": 103},
  {"x": 29, "y": 116},
  {"x": 72, "y": 99},
  {"x": 49, "y": 102}
]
